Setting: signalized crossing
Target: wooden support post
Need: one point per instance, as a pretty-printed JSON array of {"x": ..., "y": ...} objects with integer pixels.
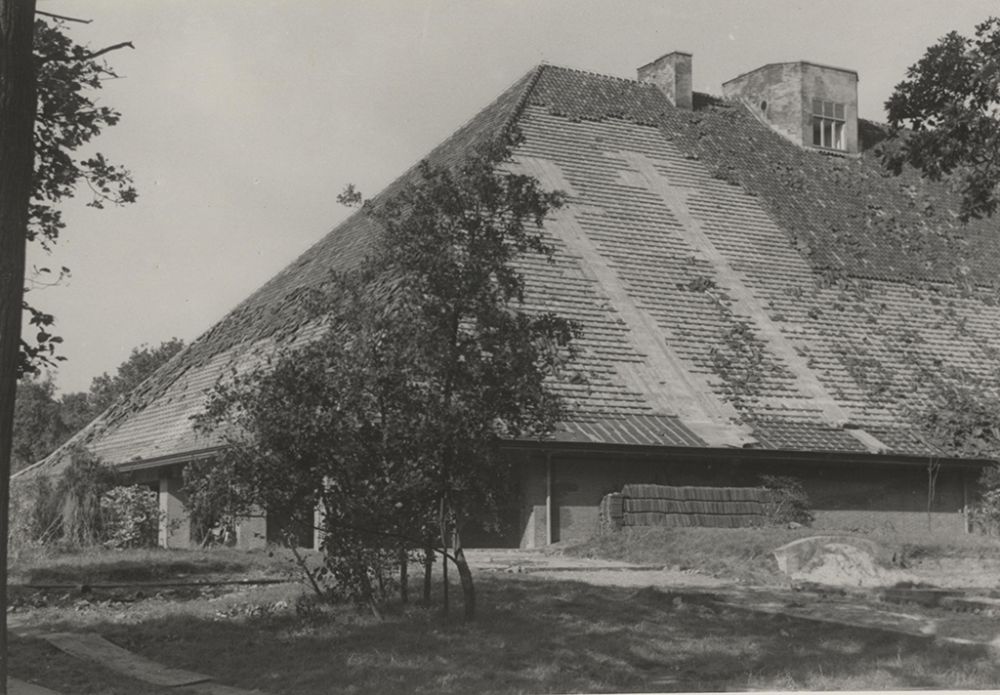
[
  {"x": 175, "y": 522},
  {"x": 965, "y": 502},
  {"x": 550, "y": 532}
]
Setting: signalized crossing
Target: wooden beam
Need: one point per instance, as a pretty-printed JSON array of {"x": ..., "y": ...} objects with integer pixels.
[{"x": 549, "y": 502}]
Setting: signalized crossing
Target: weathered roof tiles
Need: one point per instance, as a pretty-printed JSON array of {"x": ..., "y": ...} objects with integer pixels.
[{"x": 734, "y": 289}]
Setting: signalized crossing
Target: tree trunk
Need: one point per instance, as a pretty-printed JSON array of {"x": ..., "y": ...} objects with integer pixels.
[
  {"x": 442, "y": 519},
  {"x": 444, "y": 580},
  {"x": 428, "y": 567},
  {"x": 465, "y": 574},
  {"x": 404, "y": 576},
  {"x": 17, "y": 118},
  {"x": 368, "y": 596}
]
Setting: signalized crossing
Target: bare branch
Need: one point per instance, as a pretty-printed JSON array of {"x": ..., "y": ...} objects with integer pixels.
[
  {"x": 115, "y": 47},
  {"x": 63, "y": 17},
  {"x": 91, "y": 55}
]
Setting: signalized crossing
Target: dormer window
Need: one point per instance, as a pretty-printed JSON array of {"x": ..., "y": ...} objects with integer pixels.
[{"x": 828, "y": 124}]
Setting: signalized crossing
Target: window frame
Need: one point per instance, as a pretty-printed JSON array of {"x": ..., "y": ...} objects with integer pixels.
[{"x": 829, "y": 121}]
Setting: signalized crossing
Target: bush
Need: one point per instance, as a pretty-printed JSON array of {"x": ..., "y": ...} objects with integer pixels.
[
  {"x": 80, "y": 490},
  {"x": 985, "y": 513},
  {"x": 83, "y": 507},
  {"x": 35, "y": 518},
  {"x": 789, "y": 501},
  {"x": 130, "y": 517}
]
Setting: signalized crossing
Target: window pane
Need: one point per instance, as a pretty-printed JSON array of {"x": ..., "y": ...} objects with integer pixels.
[
  {"x": 817, "y": 107},
  {"x": 828, "y": 109},
  {"x": 838, "y": 111},
  {"x": 827, "y": 133},
  {"x": 838, "y": 135},
  {"x": 817, "y": 131}
]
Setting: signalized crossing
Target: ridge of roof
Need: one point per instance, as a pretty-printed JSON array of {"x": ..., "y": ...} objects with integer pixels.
[{"x": 589, "y": 73}]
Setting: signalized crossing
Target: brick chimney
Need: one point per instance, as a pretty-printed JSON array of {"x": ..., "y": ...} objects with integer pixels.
[{"x": 672, "y": 75}]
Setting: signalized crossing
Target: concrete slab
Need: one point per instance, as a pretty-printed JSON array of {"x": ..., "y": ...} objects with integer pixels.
[{"x": 95, "y": 648}]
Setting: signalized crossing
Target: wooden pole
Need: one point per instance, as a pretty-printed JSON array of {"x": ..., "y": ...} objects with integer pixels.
[{"x": 17, "y": 123}]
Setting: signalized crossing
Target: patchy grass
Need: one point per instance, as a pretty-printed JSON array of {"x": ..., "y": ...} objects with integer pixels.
[
  {"x": 94, "y": 566},
  {"x": 745, "y": 554},
  {"x": 533, "y": 635}
]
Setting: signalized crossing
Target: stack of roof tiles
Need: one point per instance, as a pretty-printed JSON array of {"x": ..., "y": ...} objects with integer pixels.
[
  {"x": 671, "y": 506},
  {"x": 733, "y": 288}
]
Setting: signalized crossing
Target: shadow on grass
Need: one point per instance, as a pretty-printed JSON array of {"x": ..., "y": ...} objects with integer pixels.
[{"x": 540, "y": 636}]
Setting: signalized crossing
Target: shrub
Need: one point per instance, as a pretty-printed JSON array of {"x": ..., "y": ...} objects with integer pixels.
[
  {"x": 83, "y": 507},
  {"x": 80, "y": 490},
  {"x": 130, "y": 517},
  {"x": 985, "y": 513},
  {"x": 35, "y": 518},
  {"x": 789, "y": 501}
]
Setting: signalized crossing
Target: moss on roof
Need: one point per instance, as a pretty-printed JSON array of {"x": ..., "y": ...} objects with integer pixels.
[{"x": 860, "y": 273}]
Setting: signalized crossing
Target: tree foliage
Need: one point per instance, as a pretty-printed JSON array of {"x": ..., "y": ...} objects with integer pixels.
[
  {"x": 43, "y": 421},
  {"x": 141, "y": 363},
  {"x": 68, "y": 117},
  {"x": 38, "y": 424},
  {"x": 431, "y": 358},
  {"x": 961, "y": 417},
  {"x": 945, "y": 117}
]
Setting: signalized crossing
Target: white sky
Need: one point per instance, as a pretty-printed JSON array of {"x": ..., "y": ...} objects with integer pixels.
[{"x": 243, "y": 119}]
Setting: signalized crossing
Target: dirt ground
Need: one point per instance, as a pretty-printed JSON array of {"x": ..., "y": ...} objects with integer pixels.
[{"x": 869, "y": 606}]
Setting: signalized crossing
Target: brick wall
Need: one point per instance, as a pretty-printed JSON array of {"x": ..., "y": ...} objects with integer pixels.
[{"x": 844, "y": 496}]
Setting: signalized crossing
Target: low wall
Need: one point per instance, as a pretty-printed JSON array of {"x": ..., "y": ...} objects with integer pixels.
[{"x": 560, "y": 498}]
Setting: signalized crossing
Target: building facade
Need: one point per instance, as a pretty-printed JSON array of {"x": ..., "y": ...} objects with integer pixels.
[{"x": 757, "y": 296}]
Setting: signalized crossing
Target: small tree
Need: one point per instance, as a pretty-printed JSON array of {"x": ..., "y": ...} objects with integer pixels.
[
  {"x": 393, "y": 421},
  {"x": 945, "y": 117}
]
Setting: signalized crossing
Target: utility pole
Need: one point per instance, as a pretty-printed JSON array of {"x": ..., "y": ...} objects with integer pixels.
[{"x": 17, "y": 122}]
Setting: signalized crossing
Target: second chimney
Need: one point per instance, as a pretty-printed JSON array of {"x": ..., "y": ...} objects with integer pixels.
[{"x": 672, "y": 75}]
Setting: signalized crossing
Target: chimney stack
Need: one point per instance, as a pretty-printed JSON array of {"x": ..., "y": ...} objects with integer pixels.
[{"x": 672, "y": 75}]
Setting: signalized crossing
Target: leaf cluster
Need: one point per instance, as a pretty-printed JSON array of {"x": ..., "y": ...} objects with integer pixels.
[
  {"x": 67, "y": 119},
  {"x": 962, "y": 414},
  {"x": 945, "y": 117}
]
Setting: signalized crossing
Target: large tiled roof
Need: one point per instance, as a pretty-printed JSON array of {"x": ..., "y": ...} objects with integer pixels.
[{"x": 734, "y": 289}]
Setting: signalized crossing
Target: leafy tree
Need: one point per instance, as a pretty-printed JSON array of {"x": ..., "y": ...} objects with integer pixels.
[
  {"x": 394, "y": 419},
  {"x": 945, "y": 117},
  {"x": 17, "y": 110},
  {"x": 67, "y": 119},
  {"x": 42, "y": 421},
  {"x": 75, "y": 410},
  {"x": 45, "y": 117},
  {"x": 38, "y": 423},
  {"x": 142, "y": 362}
]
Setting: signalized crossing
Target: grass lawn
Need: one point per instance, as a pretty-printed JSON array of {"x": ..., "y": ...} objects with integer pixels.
[{"x": 533, "y": 635}]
